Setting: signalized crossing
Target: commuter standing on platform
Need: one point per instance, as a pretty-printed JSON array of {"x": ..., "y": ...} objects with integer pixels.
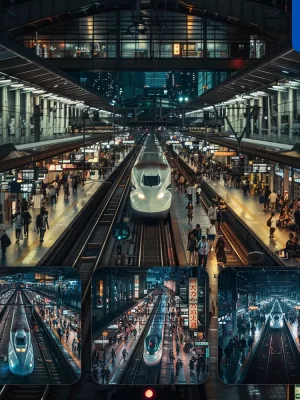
[
  {"x": 5, "y": 242},
  {"x": 266, "y": 197},
  {"x": 273, "y": 198},
  {"x": 190, "y": 210},
  {"x": 212, "y": 214},
  {"x": 203, "y": 250},
  {"x": 27, "y": 220},
  {"x": 189, "y": 192},
  {"x": 19, "y": 223},
  {"x": 271, "y": 223},
  {"x": 297, "y": 219},
  {"x": 41, "y": 226},
  {"x": 212, "y": 305}
]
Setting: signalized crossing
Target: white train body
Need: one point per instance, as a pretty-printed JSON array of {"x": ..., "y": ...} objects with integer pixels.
[
  {"x": 153, "y": 342},
  {"x": 151, "y": 195},
  {"x": 20, "y": 350},
  {"x": 276, "y": 316}
]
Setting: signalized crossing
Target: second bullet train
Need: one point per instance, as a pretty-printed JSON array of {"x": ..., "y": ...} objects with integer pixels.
[
  {"x": 151, "y": 195},
  {"x": 276, "y": 316},
  {"x": 153, "y": 342},
  {"x": 20, "y": 351}
]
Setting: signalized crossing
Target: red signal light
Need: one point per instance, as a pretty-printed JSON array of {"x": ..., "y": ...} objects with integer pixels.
[{"x": 149, "y": 394}]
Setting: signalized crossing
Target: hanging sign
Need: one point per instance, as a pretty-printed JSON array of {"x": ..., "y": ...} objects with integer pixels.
[{"x": 193, "y": 304}]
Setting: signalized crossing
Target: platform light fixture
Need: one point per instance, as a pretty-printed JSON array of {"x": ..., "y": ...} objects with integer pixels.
[
  {"x": 17, "y": 85},
  {"x": 5, "y": 81}
]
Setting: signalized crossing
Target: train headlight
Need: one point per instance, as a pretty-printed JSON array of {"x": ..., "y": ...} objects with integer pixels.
[
  {"x": 271, "y": 323},
  {"x": 160, "y": 196},
  {"x": 281, "y": 323},
  {"x": 141, "y": 196}
]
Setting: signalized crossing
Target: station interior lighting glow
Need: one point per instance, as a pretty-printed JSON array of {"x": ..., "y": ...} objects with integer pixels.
[{"x": 149, "y": 394}]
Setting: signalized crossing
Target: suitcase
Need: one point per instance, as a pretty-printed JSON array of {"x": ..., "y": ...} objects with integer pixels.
[{"x": 261, "y": 199}]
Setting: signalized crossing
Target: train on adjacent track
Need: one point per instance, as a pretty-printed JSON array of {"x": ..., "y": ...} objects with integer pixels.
[
  {"x": 276, "y": 316},
  {"x": 153, "y": 342},
  {"x": 20, "y": 350},
  {"x": 151, "y": 195}
]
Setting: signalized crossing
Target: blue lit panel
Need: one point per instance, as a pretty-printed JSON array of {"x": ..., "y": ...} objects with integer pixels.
[{"x": 296, "y": 25}]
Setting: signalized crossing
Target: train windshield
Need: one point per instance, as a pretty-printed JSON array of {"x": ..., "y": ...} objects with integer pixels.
[
  {"x": 21, "y": 341},
  {"x": 152, "y": 345},
  {"x": 149, "y": 180}
]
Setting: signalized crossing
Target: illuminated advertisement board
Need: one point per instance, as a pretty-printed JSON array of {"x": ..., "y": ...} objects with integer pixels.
[
  {"x": 136, "y": 286},
  {"x": 193, "y": 304}
]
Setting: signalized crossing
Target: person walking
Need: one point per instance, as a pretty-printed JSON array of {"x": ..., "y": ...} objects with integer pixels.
[
  {"x": 190, "y": 211},
  {"x": 203, "y": 250},
  {"x": 271, "y": 223},
  {"x": 5, "y": 242},
  {"x": 27, "y": 218},
  {"x": 41, "y": 226},
  {"x": 191, "y": 250},
  {"x": 52, "y": 194},
  {"x": 19, "y": 223},
  {"x": 212, "y": 213}
]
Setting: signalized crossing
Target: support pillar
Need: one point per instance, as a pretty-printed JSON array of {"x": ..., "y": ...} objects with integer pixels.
[
  {"x": 28, "y": 114},
  {"x": 4, "y": 96},
  {"x": 290, "y": 106},
  {"x": 279, "y": 113},
  {"x": 45, "y": 118},
  {"x": 286, "y": 181},
  {"x": 67, "y": 117},
  {"x": 51, "y": 117},
  {"x": 62, "y": 118},
  {"x": 183, "y": 117},
  {"x": 17, "y": 113},
  {"x": 260, "y": 116}
]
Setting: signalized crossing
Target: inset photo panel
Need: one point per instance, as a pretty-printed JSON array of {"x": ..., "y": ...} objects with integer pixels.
[
  {"x": 258, "y": 325},
  {"x": 150, "y": 325},
  {"x": 40, "y": 328}
]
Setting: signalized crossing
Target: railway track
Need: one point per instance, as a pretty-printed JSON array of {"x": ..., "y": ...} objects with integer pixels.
[
  {"x": 137, "y": 372},
  {"x": 92, "y": 248},
  {"x": 276, "y": 361}
]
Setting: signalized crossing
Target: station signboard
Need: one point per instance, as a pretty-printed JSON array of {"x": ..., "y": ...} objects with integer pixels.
[
  {"x": 224, "y": 153},
  {"x": 26, "y": 175},
  {"x": 101, "y": 341},
  {"x": 27, "y": 187},
  {"x": 260, "y": 167},
  {"x": 201, "y": 343},
  {"x": 193, "y": 304}
]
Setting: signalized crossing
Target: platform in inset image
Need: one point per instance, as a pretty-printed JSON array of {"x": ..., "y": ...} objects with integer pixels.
[
  {"x": 259, "y": 331},
  {"x": 150, "y": 325},
  {"x": 40, "y": 334}
]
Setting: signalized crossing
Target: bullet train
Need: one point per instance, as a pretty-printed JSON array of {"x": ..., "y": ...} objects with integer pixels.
[
  {"x": 153, "y": 342},
  {"x": 151, "y": 195},
  {"x": 276, "y": 316},
  {"x": 20, "y": 351}
]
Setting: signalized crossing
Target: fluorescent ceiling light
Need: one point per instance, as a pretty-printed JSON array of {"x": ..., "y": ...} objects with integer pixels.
[
  {"x": 17, "y": 85},
  {"x": 28, "y": 88},
  {"x": 39, "y": 91},
  {"x": 5, "y": 81}
]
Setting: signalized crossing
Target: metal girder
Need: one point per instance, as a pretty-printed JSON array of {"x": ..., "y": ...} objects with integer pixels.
[
  {"x": 254, "y": 149},
  {"x": 260, "y": 19},
  {"x": 243, "y": 81},
  {"x": 48, "y": 152},
  {"x": 146, "y": 64},
  {"x": 39, "y": 72}
]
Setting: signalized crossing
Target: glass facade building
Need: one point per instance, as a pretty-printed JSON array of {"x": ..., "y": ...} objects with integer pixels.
[{"x": 155, "y": 35}]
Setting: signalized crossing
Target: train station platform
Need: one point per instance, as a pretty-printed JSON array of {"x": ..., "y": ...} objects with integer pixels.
[
  {"x": 294, "y": 331},
  {"x": 117, "y": 366},
  {"x": 29, "y": 251},
  {"x": 230, "y": 372},
  {"x": 68, "y": 346},
  {"x": 185, "y": 375},
  {"x": 250, "y": 211}
]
